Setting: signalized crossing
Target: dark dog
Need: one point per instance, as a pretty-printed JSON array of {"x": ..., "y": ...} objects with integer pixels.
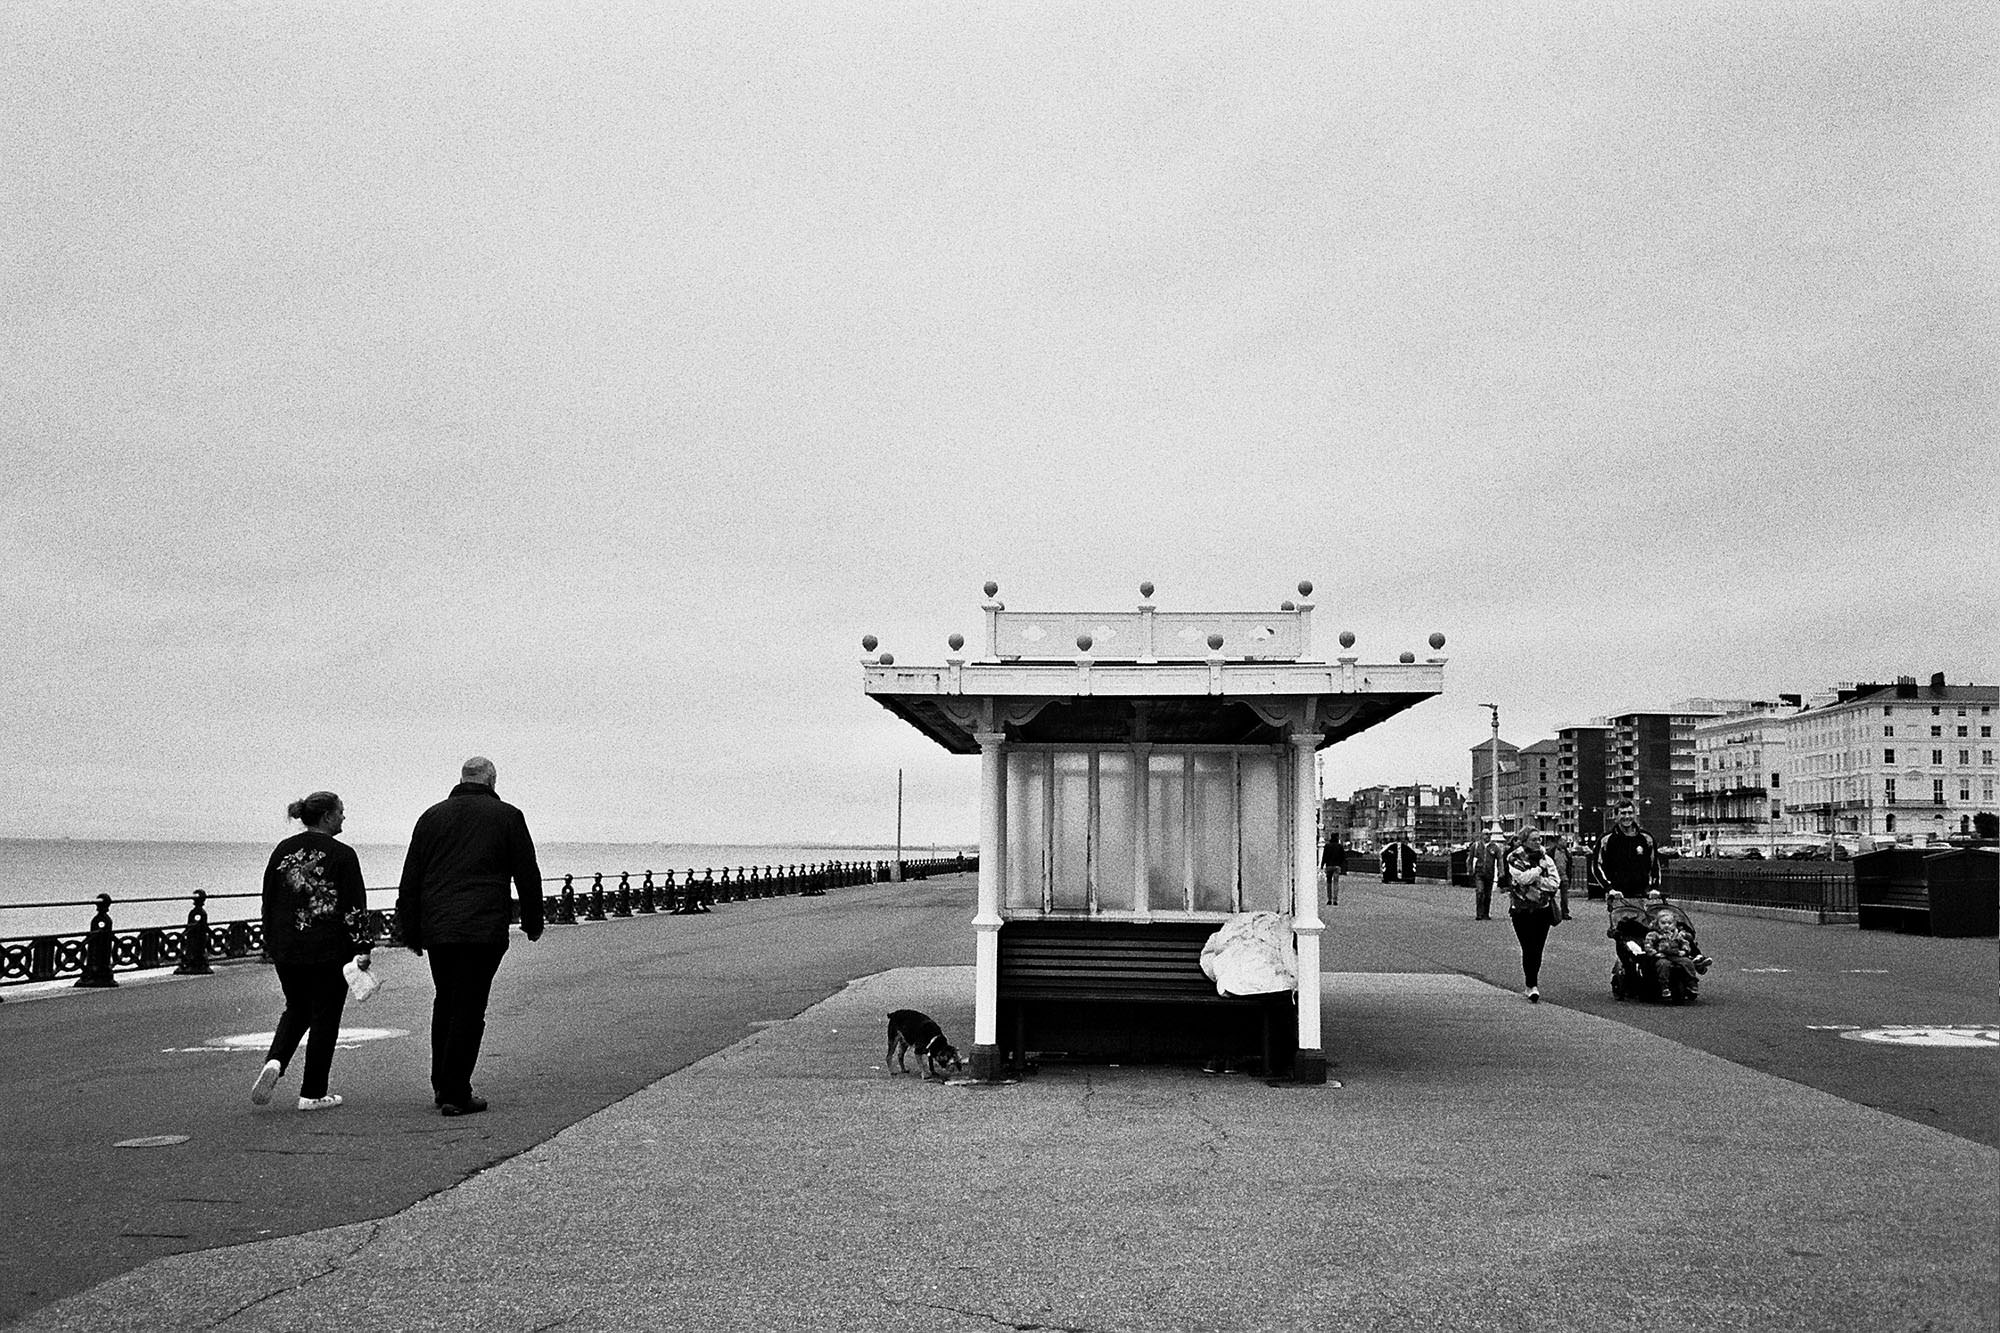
[{"x": 912, "y": 1031}]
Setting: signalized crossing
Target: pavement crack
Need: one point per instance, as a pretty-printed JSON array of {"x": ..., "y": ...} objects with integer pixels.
[
  {"x": 334, "y": 1265},
  {"x": 998, "y": 1322}
]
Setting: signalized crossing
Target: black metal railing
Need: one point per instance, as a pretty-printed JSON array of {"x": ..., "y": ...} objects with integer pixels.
[
  {"x": 1825, "y": 888},
  {"x": 93, "y": 956}
]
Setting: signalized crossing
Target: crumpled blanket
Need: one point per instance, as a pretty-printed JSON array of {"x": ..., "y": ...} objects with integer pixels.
[{"x": 1252, "y": 953}]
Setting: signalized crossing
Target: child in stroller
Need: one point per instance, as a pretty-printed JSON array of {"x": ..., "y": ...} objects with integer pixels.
[{"x": 1657, "y": 955}]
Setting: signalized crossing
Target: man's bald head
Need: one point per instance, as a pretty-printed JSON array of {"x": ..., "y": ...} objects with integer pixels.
[{"x": 478, "y": 769}]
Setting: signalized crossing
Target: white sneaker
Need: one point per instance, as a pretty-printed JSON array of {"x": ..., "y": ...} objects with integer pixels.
[
  {"x": 267, "y": 1079},
  {"x": 1534, "y": 995},
  {"x": 326, "y": 1103}
]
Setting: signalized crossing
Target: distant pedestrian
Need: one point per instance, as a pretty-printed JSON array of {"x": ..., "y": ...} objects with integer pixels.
[
  {"x": 453, "y": 902},
  {"x": 1333, "y": 861},
  {"x": 315, "y": 923},
  {"x": 1565, "y": 859},
  {"x": 1486, "y": 871},
  {"x": 1399, "y": 862},
  {"x": 1628, "y": 859},
  {"x": 1532, "y": 881}
]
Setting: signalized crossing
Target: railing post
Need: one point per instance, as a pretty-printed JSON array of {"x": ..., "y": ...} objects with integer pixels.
[
  {"x": 622, "y": 904},
  {"x": 194, "y": 941},
  {"x": 707, "y": 888},
  {"x": 596, "y": 910},
  {"x": 565, "y": 913},
  {"x": 646, "y": 895},
  {"x": 42, "y": 958},
  {"x": 97, "y": 949}
]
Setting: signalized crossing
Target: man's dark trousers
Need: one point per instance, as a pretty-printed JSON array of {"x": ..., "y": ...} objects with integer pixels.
[{"x": 463, "y": 975}]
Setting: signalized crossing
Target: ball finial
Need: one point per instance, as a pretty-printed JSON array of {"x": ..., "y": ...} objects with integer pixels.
[
  {"x": 1347, "y": 638},
  {"x": 1288, "y": 605},
  {"x": 957, "y": 641},
  {"x": 1305, "y": 588},
  {"x": 887, "y": 659},
  {"x": 991, "y": 587},
  {"x": 1083, "y": 642},
  {"x": 1437, "y": 640},
  {"x": 1146, "y": 590},
  {"x": 1215, "y": 641},
  {"x": 868, "y": 642},
  {"x": 1407, "y": 658}
]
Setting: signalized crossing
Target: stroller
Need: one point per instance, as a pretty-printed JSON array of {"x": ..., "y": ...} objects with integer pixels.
[{"x": 1656, "y": 955}]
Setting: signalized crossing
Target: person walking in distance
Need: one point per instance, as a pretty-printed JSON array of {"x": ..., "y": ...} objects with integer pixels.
[
  {"x": 1565, "y": 859},
  {"x": 1333, "y": 861},
  {"x": 315, "y": 922},
  {"x": 1486, "y": 869},
  {"x": 1627, "y": 858},
  {"x": 1532, "y": 881},
  {"x": 453, "y": 903}
]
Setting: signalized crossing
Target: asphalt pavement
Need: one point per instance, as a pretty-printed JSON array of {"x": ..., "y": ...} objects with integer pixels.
[{"x": 1478, "y": 1163}]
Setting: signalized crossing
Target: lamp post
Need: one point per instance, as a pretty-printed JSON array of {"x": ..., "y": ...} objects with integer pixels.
[{"x": 1493, "y": 768}]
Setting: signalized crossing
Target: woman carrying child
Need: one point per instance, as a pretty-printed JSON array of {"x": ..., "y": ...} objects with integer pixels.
[{"x": 1532, "y": 881}]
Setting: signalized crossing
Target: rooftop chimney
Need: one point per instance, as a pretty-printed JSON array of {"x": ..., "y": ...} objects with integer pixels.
[{"x": 1937, "y": 682}]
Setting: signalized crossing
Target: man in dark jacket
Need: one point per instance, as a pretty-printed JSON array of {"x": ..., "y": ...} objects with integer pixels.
[
  {"x": 1627, "y": 858},
  {"x": 453, "y": 902}
]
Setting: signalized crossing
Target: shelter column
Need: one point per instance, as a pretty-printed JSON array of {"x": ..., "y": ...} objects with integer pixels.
[
  {"x": 1311, "y": 1064},
  {"x": 986, "y": 920}
]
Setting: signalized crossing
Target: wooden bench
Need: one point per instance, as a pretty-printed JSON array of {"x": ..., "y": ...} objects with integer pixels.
[{"x": 1055, "y": 965}]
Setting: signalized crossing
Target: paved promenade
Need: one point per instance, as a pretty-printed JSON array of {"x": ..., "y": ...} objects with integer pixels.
[{"x": 1483, "y": 1164}]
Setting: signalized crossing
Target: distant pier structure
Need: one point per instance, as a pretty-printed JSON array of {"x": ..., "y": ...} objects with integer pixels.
[{"x": 1144, "y": 773}]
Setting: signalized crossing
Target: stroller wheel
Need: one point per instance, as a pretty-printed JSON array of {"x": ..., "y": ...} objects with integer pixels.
[{"x": 1617, "y": 983}]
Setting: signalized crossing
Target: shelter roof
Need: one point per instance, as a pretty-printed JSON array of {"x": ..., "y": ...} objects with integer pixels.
[{"x": 1169, "y": 678}]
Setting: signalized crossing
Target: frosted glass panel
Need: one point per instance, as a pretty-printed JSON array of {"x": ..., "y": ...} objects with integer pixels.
[
  {"x": 1166, "y": 834},
  {"x": 1027, "y": 830},
  {"x": 1069, "y": 871},
  {"x": 1115, "y": 846},
  {"x": 1259, "y": 817},
  {"x": 1212, "y": 827}
]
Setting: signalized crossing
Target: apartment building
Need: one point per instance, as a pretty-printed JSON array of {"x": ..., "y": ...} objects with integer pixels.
[
  {"x": 1582, "y": 780},
  {"x": 1484, "y": 778},
  {"x": 1906, "y": 761},
  {"x": 1650, "y": 761},
  {"x": 1530, "y": 795},
  {"x": 1738, "y": 796}
]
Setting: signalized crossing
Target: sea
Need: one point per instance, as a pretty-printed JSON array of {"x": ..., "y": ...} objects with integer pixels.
[{"x": 49, "y": 886}]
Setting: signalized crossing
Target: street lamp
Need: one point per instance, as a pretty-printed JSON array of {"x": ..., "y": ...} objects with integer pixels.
[{"x": 1493, "y": 767}]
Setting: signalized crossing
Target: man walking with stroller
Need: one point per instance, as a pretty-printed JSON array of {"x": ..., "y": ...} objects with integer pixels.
[{"x": 1627, "y": 859}]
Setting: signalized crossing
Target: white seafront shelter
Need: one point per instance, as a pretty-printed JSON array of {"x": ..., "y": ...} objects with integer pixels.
[{"x": 1148, "y": 766}]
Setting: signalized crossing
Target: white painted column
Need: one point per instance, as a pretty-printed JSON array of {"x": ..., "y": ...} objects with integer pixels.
[
  {"x": 1142, "y": 850},
  {"x": 1306, "y": 923},
  {"x": 986, "y": 920}
]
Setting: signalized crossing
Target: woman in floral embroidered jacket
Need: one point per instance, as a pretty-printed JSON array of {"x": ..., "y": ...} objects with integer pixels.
[
  {"x": 1531, "y": 881},
  {"x": 315, "y": 921}
]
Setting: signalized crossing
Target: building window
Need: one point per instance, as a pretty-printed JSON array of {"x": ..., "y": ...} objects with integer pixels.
[
  {"x": 1889, "y": 790},
  {"x": 1961, "y": 731},
  {"x": 1889, "y": 824},
  {"x": 1888, "y": 729},
  {"x": 1888, "y": 712},
  {"x": 1937, "y": 731},
  {"x": 1937, "y": 791},
  {"x": 1937, "y": 756},
  {"x": 1889, "y": 756},
  {"x": 1964, "y": 790},
  {"x": 1965, "y": 756},
  {"x": 1986, "y": 756},
  {"x": 1777, "y": 780}
]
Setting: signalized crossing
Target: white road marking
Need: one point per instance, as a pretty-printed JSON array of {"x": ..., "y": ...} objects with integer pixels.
[
  {"x": 1975, "y": 1036},
  {"x": 153, "y": 1141},
  {"x": 260, "y": 1042}
]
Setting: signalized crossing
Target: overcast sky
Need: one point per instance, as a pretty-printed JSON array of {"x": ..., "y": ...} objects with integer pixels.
[{"x": 576, "y": 384}]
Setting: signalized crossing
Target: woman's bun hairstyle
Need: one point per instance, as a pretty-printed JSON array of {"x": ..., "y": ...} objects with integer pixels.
[{"x": 309, "y": 810}]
